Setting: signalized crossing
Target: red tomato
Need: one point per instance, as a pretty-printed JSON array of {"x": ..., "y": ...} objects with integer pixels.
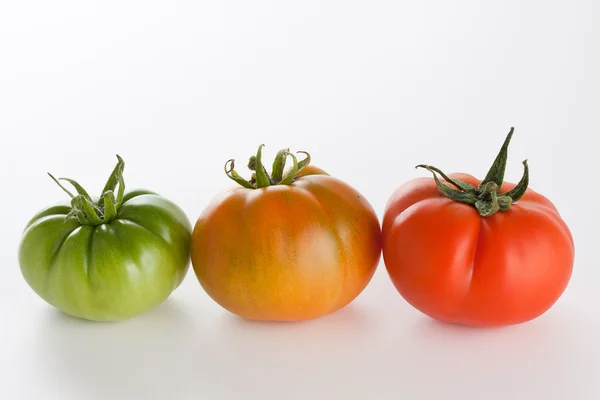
[
  {"x": 485, "y": 253},
  {"x": 286, "y": 247}
]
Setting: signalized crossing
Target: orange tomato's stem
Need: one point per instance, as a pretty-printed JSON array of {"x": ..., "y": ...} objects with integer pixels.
[
  {"x": 260, "y": 177},
  {"x": 290, "y": 177},
  {"x": 279, "y": 165},
  {"x": 486, "y": 197}
]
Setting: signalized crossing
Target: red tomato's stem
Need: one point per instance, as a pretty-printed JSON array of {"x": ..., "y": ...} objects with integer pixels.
[
  {"x": 485, "y": 198},
  {"x": 496, "y": 171}
]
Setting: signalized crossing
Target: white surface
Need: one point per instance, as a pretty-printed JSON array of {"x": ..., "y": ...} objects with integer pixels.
[{"x": 370, "y": 89}]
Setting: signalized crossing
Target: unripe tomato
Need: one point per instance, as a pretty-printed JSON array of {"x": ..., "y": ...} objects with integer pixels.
[{"x": 110, "y": 258}]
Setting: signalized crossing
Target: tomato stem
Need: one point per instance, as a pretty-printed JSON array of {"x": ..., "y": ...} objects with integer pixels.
[
  {"x": 230, "y": 171},
  {"x": 279, "y": 164},
  {"x": 105, "y": 210},
  {"x": 261, "y": 178},
  {"x": 110, "y": 208},
  {"x": 486, "y": 197},
  {"x": 290, "y": 177},
  {"x": 496, "y": 171},
  {"x": 462, "y": 185},
  {"x": 521, "y": 187}
]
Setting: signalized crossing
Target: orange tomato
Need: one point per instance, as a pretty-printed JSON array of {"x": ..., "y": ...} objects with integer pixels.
[
  {"x": 499, "y": 255},
  {"x": 297, "y": 248},
  {"x": 311, "y": 170}
]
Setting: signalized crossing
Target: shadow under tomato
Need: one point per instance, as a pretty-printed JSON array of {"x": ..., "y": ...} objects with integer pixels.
[
  {"x": 501, "y": 341},
  {"x": 202, "y": 351},
  {"x": 352, "y": 315},
  {"x": 191, "y": 349},
  {"x": 249, "y": 356},
  {"x": 542, "y": 351},
  {"x": 299, "y": 339},
  {"x": 127, "y": 359}
]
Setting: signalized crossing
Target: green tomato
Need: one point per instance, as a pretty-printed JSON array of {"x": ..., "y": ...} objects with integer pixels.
[{"x": 106, "y": 259}]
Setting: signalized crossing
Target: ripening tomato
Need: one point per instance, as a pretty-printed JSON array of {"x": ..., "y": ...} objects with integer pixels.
[
  {"x": 106, "y": 259},
  {"x": 286, "y": 247},
  {"x": 480, "y": 253}
]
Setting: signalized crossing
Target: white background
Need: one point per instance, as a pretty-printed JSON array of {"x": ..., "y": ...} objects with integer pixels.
[{"x": 371, "y": 89}]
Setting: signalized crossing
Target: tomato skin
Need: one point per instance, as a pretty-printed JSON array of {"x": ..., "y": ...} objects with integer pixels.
[
  {"x": 456, "y": 266},
  {"x": 287, "y": 252},
  {"x": 311, "y": 170},
  {"x": 112, "y": 271}
]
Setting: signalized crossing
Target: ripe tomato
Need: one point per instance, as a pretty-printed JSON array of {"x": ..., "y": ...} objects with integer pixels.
[
  {"x": 286, "y": 247},
  {"x": 485, "y": 253},
  {"x": 107, "y": 259}
]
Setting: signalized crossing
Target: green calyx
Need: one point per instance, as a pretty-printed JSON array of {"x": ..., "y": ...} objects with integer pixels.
[
  {"x": 486, "y": 197},
  {"x": 260, "y": 177},
  {"x": 103, "y": 211}
]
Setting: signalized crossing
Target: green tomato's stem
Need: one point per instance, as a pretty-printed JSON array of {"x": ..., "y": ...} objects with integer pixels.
[
  {"x": 77, "y": 187},
  {"x": 61, "y": 186},
  {"x": 110, "y": 208},
  {"x": 121, "y": 180},
  {"x": 83, "y": 205},
  {"x": 485, "y": 198},
  {"x": 77, "y": 214},
  {"x": 113, "y": 178},
  {"x": 260, "y": 177},
  {"x": 82, "y": 192},
  {"x": 106, "y": 209}
]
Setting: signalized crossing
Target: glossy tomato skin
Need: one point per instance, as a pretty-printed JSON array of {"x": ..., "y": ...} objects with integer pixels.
[
  {"x": 112, "y": 271},
  {"x": 458, "y": 267},
  {"x": 287, "y": 252}
]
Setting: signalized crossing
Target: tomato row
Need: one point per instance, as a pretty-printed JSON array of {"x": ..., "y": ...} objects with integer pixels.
[{"x": 297, "y": 244}]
